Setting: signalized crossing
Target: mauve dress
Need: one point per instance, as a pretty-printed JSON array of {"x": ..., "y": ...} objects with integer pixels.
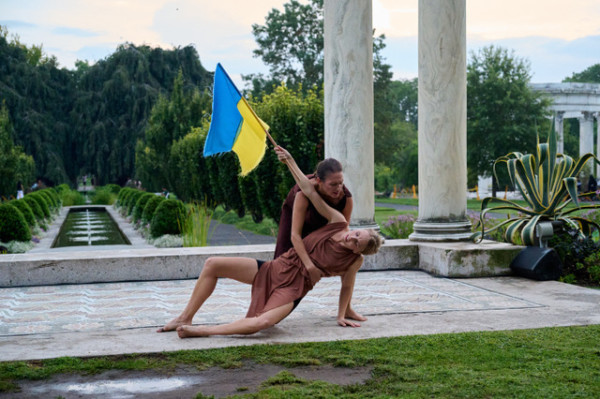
[
  {"x": 312, "y": 220},
  {"x": 285, "y": 279}
]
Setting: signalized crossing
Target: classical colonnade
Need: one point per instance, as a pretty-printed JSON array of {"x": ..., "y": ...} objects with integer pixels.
[
  {"x": 442, "y": 112},
  {"x": 575, "y": 100}
]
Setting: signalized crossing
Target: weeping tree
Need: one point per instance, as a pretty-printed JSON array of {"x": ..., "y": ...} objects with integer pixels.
[
  {"x": 15, "y": 165},
  {"x": 118, "y": 99},
  {"x": 38, "y": 96},
  {"x": 170, "y": 120}
]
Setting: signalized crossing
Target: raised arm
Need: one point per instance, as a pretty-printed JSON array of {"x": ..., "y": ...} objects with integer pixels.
[
  {"x": 308, "y": 189},
  {"x": 298, "y": 214}
]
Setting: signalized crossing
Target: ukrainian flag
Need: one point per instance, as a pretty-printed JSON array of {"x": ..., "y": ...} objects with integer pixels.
[{"x": 234, "y": 126}]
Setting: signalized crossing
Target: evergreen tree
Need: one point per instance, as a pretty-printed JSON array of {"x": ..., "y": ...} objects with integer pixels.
[{"x": 170, "y": 120}]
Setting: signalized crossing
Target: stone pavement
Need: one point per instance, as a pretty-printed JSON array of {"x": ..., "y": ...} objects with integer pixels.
[{"x": 119, "y": 318}]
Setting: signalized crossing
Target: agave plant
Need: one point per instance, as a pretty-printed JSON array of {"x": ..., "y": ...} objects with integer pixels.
[{"x": 548, "y": 183}]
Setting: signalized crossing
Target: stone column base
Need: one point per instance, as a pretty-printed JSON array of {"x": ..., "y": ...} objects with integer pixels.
[
  {"x": 450, "y": 231},
  {"x": 363, "y": 224}
]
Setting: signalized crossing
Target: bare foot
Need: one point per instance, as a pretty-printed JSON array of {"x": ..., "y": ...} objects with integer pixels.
[
  {"x": 173, "y": 324},
  {"x": 351, "y": 314},
  {"x": 187, "y": 331}
]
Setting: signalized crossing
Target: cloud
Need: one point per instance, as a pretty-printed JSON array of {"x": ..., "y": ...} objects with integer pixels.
[
  {"x": 551, "y": 59},
  {"x": 220, "y": 31},
  {"x": 63, "y": 30},
  {"x": 14, "y": 24}
]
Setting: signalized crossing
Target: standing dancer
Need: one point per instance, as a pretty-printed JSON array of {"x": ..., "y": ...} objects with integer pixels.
[{"x": 279, "y": 285}]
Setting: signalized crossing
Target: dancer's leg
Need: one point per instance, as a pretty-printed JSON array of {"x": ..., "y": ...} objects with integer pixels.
[
  {"x": 249, "y": 325},
  {"x": 240, "y": 269}
]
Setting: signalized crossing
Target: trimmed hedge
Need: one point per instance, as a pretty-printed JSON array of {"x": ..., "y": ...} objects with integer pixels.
[
  {"x": 42, "y": 203},
  {"x": 138, "y": 210},
  {"x": 121, "y": 195},
  {"x": 25, "y": 210},
  {"x": 132, "y": 200},
  {"x": 127, "y": 192},
  {"x": 53, "y": 196},
  {"x": 150, "y": 207},
  {"x": 51, "y": 205},
  {"x": 13, "y": 226},
  {"x": 35, "y": 207},
  {"x": 167, "y": 218}
]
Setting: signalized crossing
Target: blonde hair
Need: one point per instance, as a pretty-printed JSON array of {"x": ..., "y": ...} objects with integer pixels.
[{"x": 374, "y": 243}]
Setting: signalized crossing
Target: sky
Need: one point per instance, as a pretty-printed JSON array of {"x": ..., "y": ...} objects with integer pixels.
[{"x": 557, "y": 38}]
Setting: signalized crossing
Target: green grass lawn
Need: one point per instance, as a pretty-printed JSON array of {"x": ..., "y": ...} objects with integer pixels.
[
  {"x": 539, "y": 363},
  {"x": 472, "y": 204}
]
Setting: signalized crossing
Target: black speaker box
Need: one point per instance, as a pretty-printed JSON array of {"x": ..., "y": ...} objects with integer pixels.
[{"x": 537, "y": 263}]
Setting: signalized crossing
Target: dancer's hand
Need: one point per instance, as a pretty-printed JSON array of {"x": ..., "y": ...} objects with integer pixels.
[
  {"x": 282, "y": 154},
  {"x": 315, "y": 274},
  {"x": 347, "y": 323}
]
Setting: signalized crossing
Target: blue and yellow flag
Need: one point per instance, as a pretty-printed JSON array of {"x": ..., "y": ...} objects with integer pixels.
[{"x": 234, "y": 126}]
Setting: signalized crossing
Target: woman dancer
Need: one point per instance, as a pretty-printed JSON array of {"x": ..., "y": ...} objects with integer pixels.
[{"x": 278, "y": 285}]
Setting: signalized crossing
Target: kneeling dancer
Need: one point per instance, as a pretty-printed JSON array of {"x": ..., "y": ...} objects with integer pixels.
[{"x": 280, "y": 284}]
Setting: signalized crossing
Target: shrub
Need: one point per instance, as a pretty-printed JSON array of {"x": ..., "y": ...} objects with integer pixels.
[
  {"x": 72, "y": 197},
  {"x": 399, "y": 226},
  {"x": 132, "y": 200},
  {"x": 113, "y": 188},
  {"x": 61, "y": 188},
  {"x": 140, "y": 204},
  {"x": 150, "y": 208},
  {"x": 25, "y": 210},
  {"x": 122, "y": 195},
  {"x": 13, "y": 226},
  {"x": 125, "y": 200},
  {"x": 42, "y": 202},
  {"x": 18, "y": 247},
  {"x": 104, "y": 196},
  {"x": 168, "y": 241},
  {"x": 579, "y": 255},
  {"x": 49, "y": 200},
  {"x": 167, "y": 218},
  {"x": 35, "y": 207},
  {"x": 53, "y": 195}
]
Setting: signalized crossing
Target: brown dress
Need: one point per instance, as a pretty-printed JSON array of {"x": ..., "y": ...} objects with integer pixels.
[
  {"x": 285, "y": 279},
  {"x": 312, "y": 220}
]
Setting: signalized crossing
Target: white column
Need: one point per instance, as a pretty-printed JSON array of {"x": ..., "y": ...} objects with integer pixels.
[
  {"x": 348, "y": 84},
  {"x": 559, "y": 127},
  {"x": 586, "y": 136},
  {"x": 597, "y": 143},
  {"x": 442, "y": 122}
]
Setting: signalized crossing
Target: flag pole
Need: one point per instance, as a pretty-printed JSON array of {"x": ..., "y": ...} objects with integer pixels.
[{"x": 257, "y": 118}]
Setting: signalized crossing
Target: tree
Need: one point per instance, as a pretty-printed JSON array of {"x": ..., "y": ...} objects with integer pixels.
[
  {"x": 405, "y": 94},
  {"x": 15, "y": 165},
  {"x": 589, "y": 75},
  {"x": 291, "y": 44},
  {"x": 170, "y": 120},
  {"x": 503, "y": 113}
]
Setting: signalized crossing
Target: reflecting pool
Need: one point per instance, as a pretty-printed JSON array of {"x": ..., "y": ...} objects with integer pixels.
[{"x": 89, "y": 226}]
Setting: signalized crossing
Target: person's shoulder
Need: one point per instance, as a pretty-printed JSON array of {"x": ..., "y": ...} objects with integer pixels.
[{"x": 347, "y": 192}]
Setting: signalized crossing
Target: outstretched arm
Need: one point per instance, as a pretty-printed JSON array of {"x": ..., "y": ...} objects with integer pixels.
[
  {"x": 344, "y": 310},
  {"x": 308, "y": 189}
]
